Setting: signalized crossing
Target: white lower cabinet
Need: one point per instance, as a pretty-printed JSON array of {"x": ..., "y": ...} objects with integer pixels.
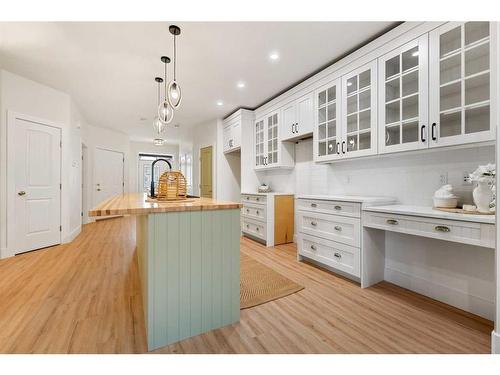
[{"x": 330, "y": 234}]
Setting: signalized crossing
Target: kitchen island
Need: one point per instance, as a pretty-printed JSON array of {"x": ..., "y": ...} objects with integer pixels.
[{"x": 189, "y": 263}]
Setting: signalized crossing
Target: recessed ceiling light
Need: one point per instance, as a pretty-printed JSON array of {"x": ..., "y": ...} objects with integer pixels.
[
  {"x": 158, "y": 142},
  {"x": 219, "y": 103},
  {"x": 241, "y": 84},
  {"x": 274, "y": 56}
]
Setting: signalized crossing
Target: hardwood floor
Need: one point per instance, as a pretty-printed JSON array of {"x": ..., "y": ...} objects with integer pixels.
[{"x": 84, "y": 297}]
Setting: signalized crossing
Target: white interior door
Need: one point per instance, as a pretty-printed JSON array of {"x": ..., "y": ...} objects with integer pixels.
[
  {"x": 35, "y": 159},
  {"x": 108, "y": 174}
]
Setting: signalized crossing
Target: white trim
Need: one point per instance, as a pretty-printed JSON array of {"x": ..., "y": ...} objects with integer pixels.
[
  {"x": 454, "y": 297},
  {"x": 73, "y": 234},
  {"x": 495, "y": 342},
  {"x": 11, "y": 118}
]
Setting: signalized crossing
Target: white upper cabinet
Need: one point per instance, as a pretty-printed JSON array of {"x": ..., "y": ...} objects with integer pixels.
[
  {"x": 403, "y": 98},
  {"x": 298, "y": 118},
  {"x": 463, "y": 74},
  {"x": 327, "y": 132},
  {"x": 231, "y": 135},
  {"x": 270, "y": 152},
  {"x": 359, "y": 112}
]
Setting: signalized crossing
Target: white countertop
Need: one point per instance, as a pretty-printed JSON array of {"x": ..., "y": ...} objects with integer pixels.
[
  {"x": 270, "y": 193},
  {"x": 426, "y": 211},
  {"x": 350, "y": 198}
]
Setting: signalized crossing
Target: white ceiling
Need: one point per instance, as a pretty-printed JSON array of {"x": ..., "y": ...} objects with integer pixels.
[{"x": 109, "y": 67}]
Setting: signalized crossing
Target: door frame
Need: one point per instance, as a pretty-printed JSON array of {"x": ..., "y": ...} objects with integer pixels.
[
  {"x": 138, "y": 164},
  {"x": 93, "y": 195},
  {"x": 11, "y": 119},
  {"x": 212, "y": 163}
]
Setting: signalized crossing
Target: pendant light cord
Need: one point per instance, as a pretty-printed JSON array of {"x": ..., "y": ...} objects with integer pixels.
[
  {"x": 175, "y": 57},
  {"x": 165, "y": 81}
]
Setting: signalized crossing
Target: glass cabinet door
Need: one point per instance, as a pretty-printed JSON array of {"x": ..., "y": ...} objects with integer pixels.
[
  {"x": 460, "y": 60},
  {"x": 359, "y": 108},
  {"x": 327, "y": 129},
  {"x": 403, "y": 98},
  {"x": 272, "y": 139},
  {"x": 259, "y": 143}
]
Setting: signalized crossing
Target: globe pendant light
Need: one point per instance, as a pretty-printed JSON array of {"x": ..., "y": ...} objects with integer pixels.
[
  {"x": 174, "y": 90},
  {"x": 165, "y": 110},
  {"x": 158, "y": 126}
]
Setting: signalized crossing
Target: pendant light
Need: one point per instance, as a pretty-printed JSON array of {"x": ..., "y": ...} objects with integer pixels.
[
  {"x": 174, "y": 90},
  {"x": 165, "y": 110},
  {"x": 158, "y": 126}
]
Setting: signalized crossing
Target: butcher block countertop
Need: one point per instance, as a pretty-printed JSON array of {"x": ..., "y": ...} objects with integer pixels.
[{"x": 135, "y": 204}]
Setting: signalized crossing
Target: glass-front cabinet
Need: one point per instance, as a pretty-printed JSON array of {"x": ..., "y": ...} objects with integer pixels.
[
  {"x": 359, "y": 112},
  {"x": 461, "y": 69},
  {"x": 270, "y": 152},
  {"x": 328, "y": 127},
  {"x": 403, "y": 98}
]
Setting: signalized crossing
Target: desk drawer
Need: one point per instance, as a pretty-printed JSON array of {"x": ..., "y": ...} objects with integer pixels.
[
  {"x": 342, "y": 257},
  {"x": 330, "y": 207},
  {"x": 257, "y": 212},
  {"x": 250, "y": 198},
  {"x": 255, "y": 228},
  {"x": 331, "y": 227},
  {"x": 450, "y": 230}
]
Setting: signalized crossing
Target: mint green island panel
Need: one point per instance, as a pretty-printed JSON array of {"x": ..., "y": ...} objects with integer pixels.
[{"x": 189, "y": 265}]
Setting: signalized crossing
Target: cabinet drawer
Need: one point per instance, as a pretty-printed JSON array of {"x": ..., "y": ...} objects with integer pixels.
[
  {"x": 255, "y": 228},
  {"x": 250, "y": 198},
  {"x": 451, "y": 230},
  {"x": 331, "y": 227},
  {"x": 254, "y": 211},
  {"x": 342, "y": 257},
  {"x": 330, "y": 207}
]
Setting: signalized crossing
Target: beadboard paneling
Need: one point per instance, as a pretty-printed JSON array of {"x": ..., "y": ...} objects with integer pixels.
[{"x": 190, "y": 273}]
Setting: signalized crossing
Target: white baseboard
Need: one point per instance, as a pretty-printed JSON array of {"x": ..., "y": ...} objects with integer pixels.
[
  {"x": 73, "y": 234},
  {"x": 457, "y": 298},
  {"x": 495, "y": 342},
  {"x": 3, "y": 253}
]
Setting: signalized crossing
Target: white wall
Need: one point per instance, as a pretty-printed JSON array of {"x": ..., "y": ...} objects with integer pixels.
[
  {"x": 495, "y": 342},
  {"x": 137, "y": 148},
  {"x": 192, "y": 140},
  {"x": 27, "y": 97}
]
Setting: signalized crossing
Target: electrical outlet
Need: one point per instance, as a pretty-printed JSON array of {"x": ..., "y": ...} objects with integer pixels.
[
  {"x": 443, "y": 178},
  {"x": 465, "y": 179}
]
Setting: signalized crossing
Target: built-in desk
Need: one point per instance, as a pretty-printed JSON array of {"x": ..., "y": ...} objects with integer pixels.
[{"x": 478, "y": 230}]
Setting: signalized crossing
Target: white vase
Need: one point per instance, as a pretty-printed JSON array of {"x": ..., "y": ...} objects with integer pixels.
[{"x": 483, "y": 196}]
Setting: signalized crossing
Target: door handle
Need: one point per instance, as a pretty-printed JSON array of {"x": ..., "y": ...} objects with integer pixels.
[
  {"x": 422, "y": 133},
  {"x": 21, "y": 193},
  {"x": 433, "y": 128}
]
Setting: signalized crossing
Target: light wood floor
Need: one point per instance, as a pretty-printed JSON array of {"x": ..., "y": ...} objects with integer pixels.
[{"x": 84, "y": 297}]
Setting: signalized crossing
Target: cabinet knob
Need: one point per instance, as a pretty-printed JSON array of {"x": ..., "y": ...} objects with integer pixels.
[
  {"x": 313, "y": 223},
  {"x": 248, "y": 210},
  {"x": 337, "y": 255},
  {"x": 313, "y": 205},
  {"x": 338, "y": 208},
  {"x": 257, "y": 229},
  {"x": 248, "y": 226},
  {"x": 442, "y": 228},
  {"x": 313, "y": 247},
  {"x": 21, "y": 193},
  {"x": 257, "y": 212},
  {"x": 392, "y": 221},
  {"x": 338, "y": 228}
]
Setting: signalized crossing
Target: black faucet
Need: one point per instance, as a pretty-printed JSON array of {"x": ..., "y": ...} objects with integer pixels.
[{"x": 152, "y": 192}]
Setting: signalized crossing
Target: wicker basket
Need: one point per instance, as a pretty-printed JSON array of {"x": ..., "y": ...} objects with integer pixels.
[{"x": 171, "y": 186}]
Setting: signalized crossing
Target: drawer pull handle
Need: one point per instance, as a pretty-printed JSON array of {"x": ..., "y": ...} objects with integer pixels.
[
  {"x": 314, "y": 205},
  {"x": 257, "y": 212},
  {"x": 248, "y": 198},
  {"x": 313, "y": 247},
  {"x": 248, "y": 210},
  {"x": 248, "y": 226},
  {"x": 257, "y": 199},
  {"x": 392, "y": 222},
  {"x": 337, "y": 255},
  {"x": 338, "y": 208},
  {"x": 338, "y": 228},
  {"x": 313, "y": 223},
  {"x": 257, "y": 229},
  {"x": 442, "y": 228}
]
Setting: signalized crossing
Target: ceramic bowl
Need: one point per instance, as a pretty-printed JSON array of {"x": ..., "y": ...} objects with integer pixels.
[{"x": 446, "y": 202}]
